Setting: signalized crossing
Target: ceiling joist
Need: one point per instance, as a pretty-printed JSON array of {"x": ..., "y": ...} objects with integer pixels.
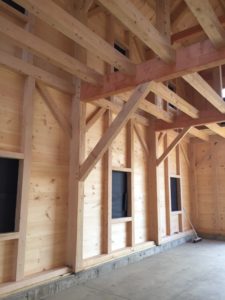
[
  {"x": 208, "y": 20},
  {"x": 200, "y": 85},
  {"x": 43, "y": 49},
  {"x": 140, "y": 26},
  {"x": 59, "y": 19}
]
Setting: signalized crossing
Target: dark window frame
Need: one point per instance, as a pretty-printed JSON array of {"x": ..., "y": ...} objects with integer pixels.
[
  {"x": 122, "y": 49},
  {"x": 121, "y": 209},
  {"x": 175, "y": 191},
  {"x": 9, "y": 194},
  {"x": 15, "y": 6}
]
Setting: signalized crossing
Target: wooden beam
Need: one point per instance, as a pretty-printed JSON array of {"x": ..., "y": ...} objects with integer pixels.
[
  {"x": 141, "y": 139},
  {"x": 122, "y": 118},
  {"x": 25, "y": 68},
  {"x": 58, "y": 18},
  {"x": 56, "y": 112},
  {"x": 76, "y": 196},
  {"x": 116, "y": 108},
  {"x": 217, "y": 129},
  {"x": 139, "y": 25},
  {"x": 207, "y": 18},
  {"x": 107, "y": 199},
  {"x": 167, "y": 186},
  {"x": 10, "y": 154},
  {"x": 154, "y": 110},
  {"x": 154, "y": 214},
  {"x": 98, "y": 114},
  {"x": 130, "y": 184},
  {"x": 35, "y": 279},
  {"x": 200, "y": 85},
  {"x": 163, "y": 18},
  {"x": 205, "y": 117},
  {"x": 192, "y": 32},
  {"x": 170, "y": 148},
  {"x": 24, "y": 176},
  {"x": 45, "y": 50},
  {"x": 193, "y": 58},
  {"x": 161, "y": 90},
  {"x": 199, "y": 134}
]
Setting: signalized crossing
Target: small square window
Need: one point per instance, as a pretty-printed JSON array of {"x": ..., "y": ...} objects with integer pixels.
[
  {"x": 175, "y": 194},
  {"x": 9, "y": 170},
  {"x": 122, "y": 50},
  {"x": 119, "y": 194},
  {"x": 15, "y": 6}
]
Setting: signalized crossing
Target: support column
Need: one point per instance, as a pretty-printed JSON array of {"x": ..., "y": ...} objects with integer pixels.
[
  {"x": 154, "y": 232},
  {"x": 77, "y": 156}
]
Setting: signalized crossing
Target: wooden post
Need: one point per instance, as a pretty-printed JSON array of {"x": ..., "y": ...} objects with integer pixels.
[
  {"x": 76, "y": 187},
  {"x": 193, "y": 184},
  {"x": 130, "y": 159},
  {"x": 77, "y": 155},
  {"x": 167, "y": 188},
  {"x": 24, "y": 176},
  {"x": 154, "y": 232}
]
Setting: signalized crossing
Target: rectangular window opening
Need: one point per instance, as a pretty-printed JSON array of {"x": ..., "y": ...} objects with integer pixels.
[
  {"x": 14, "y": 5},
  {"x": 175, "y": 194},
  {"x": 119, "y": 194},
  {"x": 172, "y": 87},
  {"x": 9, "y": 171},
  {"x": 122, "y": 50}
]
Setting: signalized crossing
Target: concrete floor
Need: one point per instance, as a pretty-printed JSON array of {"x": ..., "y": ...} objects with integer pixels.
[{"x": 188, "y": 272}]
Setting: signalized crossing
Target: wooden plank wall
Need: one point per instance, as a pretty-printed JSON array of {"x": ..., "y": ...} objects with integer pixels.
[
  {"x": 48, "y": 194},
  {"x": 208, "y": 206}
]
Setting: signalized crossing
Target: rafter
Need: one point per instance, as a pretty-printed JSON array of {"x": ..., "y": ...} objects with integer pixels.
[
  {"x": 172, "y": 146},
  {"x": 18, "y": 65},
  {"x": 58, "y": 18},
  {"x": 121, "y": 119},
  {"x": 217, "y": 129},
  {"x": 161, "y": 90},
  {"x": 139, "y": 25},
  {"x": 43, "y": 49},
  {"x": 200, "y": 85},
  {"x": 199, "y": 134},
  {"x": 207, "y": 18},
  {"x": 205, "y": 117},
  {"x": 193, "y": 58}
]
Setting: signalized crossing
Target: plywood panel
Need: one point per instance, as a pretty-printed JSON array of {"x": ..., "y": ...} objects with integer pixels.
[{"x": 47, "y": 212}]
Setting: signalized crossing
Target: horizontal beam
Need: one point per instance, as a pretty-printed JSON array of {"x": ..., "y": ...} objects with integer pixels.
[
  {"x": 64, "y": 22},
  {"x": 36, "y": 45},
  {"x": 193, "y": 58},
  {"x": 10, "y": 154},
  {"x": 205, "y": 117},
  {"x": 20, "y": 66}
]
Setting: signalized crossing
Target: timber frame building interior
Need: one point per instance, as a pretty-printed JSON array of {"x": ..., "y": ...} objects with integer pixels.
[{"x": 112, "y": 127}]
